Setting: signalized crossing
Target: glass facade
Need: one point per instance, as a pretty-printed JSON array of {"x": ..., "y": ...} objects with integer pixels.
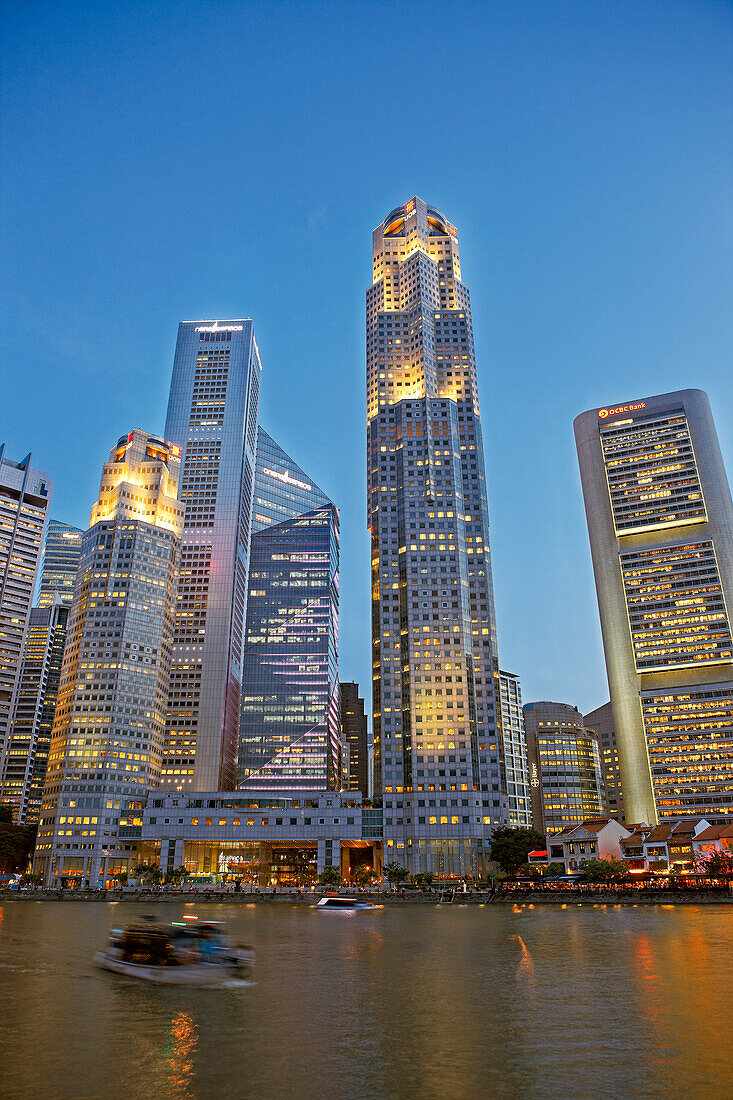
[
  {"x": 515, "y": 750},
  {"x": 212, "y": 416},
  {"x": 677, "y": 612},
  {"x": 438, "y": 748},
  {"x": 25, "y": 764},
  {"x": 59, "y": 563},
  {"x": 289, "y": 735},
  {"x": 107, "y": 738},
  {"x": 689, "y": 734},
  {"x": 25, "y": 495},
  {"x": 282, "y": 489},
  {"x": 566, "y": 780},
  {"x": 652, "y": 474}
]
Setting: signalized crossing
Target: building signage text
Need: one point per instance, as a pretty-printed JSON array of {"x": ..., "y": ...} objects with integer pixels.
[
  {"x": 216, "y": 327},
  {"x": 603, "y": 413},
  {"x": 287, "y": 478}
]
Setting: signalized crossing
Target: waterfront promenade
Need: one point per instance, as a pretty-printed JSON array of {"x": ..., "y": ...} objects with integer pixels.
[{"x": 681, "y": 893}]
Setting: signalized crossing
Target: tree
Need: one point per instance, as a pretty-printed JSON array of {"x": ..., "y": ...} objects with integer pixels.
[
  {"x": 6, "y": 813},
  {"x": 555, "y": 869},
  {"x": 148, "y": 872},
  {"x": 394, "y": 873},
  {"x": 716, "y": 864},
  {"x": 606, "y": 870},
  {"x": 424, "y": 878},
  {"x": 330, "y": 876},
  {"x": 509, "y": 846},
  {"x": 363, "y": 875},
  {"x": 16, "y": 846},
  {"x": 176, "y": 875},
  {"x": 120, "y": 877}
]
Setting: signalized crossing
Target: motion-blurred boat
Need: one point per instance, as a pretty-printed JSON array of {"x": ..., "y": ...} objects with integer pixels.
[
  {"x": 348, "y": 905},
  {"x": 188, "y": 952}
]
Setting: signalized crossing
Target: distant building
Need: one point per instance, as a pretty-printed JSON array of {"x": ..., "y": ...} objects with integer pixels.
[
  {"x": 289, "y": 736},
  {"x": 212, "y": 417},
  {"x": 515, "y": 750},
  {"x": 660, "y": 522},
  {"x": 25, "y": 495},
  {"x": 59, "y": 563},
  {"x": 566, "y": 782},
  {"x": 436, "y": 730},
  {"x": 354, "y": 736},
  {"x": 597, "y": 838},
  {"x": 282, "y": 490},
  {"x": 601, "y": 720},
  {"x": 670, "y": 846},
  {"x": 267, "y": 838},
  {"x": 24, "y": 768},
  {"x": 107, "y": 739}
]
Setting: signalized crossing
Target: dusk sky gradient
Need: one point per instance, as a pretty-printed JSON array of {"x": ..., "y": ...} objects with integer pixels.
[{"x": 162, "y": 162}]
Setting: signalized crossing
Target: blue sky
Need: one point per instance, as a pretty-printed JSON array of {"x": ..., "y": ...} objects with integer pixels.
[{"x": 186, "y": 160}]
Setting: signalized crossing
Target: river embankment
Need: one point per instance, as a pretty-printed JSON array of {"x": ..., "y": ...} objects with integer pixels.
[{"x": 581, "y": 895}]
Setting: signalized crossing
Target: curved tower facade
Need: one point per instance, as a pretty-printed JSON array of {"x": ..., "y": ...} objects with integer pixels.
[
  {"x": 438, "y": 754},
  {"x": 106, "y": 748},
  {"x": 660, "y": 523}
]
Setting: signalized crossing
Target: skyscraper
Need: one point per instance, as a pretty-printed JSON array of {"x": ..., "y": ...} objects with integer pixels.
[
  {"x": 566, "y": 782},
  {"x": 212, "y": 417},
  {"x": 59, "y": 563},
  {"x": 515, "y": 750},
  {"x": 25, "y": 494},
  {"x": 107, "y": 738},
  {"x": 437, "y": 734},
  {"x": 289, "y": 732},
  {"x": 660, "y": 521},
  {"x": 24, "y": 768},
  {"x": 354, "y": 736}
]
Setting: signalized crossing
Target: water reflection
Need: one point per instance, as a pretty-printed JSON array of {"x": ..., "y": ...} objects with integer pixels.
[
  {"x": 178, "y": 1051},
  {"x": 449, "y": 1002}
]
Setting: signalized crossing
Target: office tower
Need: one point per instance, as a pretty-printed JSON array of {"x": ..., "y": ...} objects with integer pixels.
[
  {"x": 212, "y": 417},
  {"x": 565, "y": 778},
  {"x": 289, "y": 730},
  {"x": 601, "y": 720},
  {"x": 107, "y": 738},
  {"x": 59, "y": 563},
  {"x": 24, "y": 767},
  {"x": 282, "y": 490},
  {"x": 515, "y": 750},
  {"x": 436, "y": 724},
  {"x": 660, "y": 522},
  {"x": 354, "y": 736},
  {"x": 25, "y": 494}
]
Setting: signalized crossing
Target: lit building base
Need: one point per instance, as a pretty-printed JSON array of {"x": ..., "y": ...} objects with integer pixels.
[{"x": 259, "y": 838}]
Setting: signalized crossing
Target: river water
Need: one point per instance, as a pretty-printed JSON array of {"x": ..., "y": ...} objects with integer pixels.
[{"x": 404, "y": 1001}]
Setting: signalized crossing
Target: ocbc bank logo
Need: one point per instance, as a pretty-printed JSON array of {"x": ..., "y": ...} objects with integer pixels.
[{"x": 603, "y": 413}]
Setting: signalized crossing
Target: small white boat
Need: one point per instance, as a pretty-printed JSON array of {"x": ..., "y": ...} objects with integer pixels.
[
  {"x": 348, "y": 905},
  {"x": 181, "y": 953}
]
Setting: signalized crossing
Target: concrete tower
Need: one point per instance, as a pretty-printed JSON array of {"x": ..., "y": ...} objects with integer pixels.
[
  {"x": 437, "y": 731},
  {"x": 107, "y": 738},
  {"x": 212, "y": 417},
  {"x": 660, "y": 522}
]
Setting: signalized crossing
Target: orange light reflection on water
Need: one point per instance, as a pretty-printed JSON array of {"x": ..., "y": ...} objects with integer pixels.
[{"x": 179, "y": 1054}]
